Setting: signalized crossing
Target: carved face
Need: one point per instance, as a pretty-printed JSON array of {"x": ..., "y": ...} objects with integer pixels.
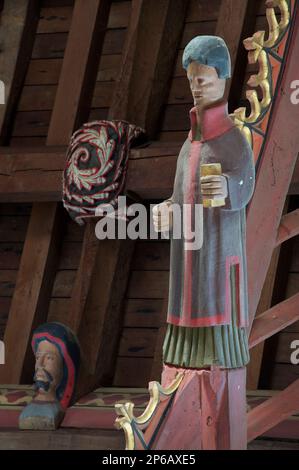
[
  {"x": 206, "y": 87},
  {"x": 48, "y": 370}
]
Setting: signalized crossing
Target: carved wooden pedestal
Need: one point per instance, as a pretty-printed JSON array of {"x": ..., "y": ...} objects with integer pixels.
[{"x": 193, "y": 410}]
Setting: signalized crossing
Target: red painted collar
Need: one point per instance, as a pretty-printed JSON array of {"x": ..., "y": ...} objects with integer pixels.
[{"x": 215, "y": 121}]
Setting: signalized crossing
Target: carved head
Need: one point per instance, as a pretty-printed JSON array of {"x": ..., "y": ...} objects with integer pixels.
[
  {"x": 207, "y": 62},
  {"x": 57, "y": 359}
]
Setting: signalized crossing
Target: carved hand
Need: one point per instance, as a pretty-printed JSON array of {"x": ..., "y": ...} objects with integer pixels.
[
  {"x": 162, "y": 216},
  {"x": 214, "y": 187}
]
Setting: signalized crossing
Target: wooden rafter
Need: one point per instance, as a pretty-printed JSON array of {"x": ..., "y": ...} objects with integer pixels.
[
  {"x": 18, "y": 26},
  {"x": 273, "y": 411},
  {"x": 148, "y": 61},
  {"x": 79, "y": 69},
  {"x": 289, "y": 227},
  {"x": 33, "y": 289},
  {"x": 274, "y": 320}
]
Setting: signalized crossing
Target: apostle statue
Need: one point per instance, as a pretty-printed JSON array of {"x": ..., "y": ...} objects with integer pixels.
[
  {"x": 57, "y": 359},
  {"x": 215, "y": 175}
]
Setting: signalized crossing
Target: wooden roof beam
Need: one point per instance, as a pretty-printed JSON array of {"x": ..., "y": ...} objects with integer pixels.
[
  {"x": 276, "y": 409},
  {"x": 19, "y": 21},
  {"x": 289, "y": 227},
  {"x": 274, "y": 320}
]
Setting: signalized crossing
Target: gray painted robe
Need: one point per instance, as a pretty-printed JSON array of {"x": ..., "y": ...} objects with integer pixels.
[{"x": 199, "y": 288}]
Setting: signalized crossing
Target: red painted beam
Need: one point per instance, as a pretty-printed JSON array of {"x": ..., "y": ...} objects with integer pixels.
[
  {"x": 274, "y": 320},
  {"x": 274, "y": 177},
  {"x": 289, "y": 227},
  {"x": 273, "y": 411}
]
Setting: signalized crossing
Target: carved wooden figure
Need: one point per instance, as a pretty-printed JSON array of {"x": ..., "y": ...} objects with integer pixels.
[
  {"x": 208, "y": 304},
  {"x": 57, "y": 359}
]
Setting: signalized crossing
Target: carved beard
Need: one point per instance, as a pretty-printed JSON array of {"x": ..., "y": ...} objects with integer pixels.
[{"x": 42, "y": 384}]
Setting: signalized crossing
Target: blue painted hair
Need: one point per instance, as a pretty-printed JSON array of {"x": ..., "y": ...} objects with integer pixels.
[{"x": 208, "y": 50}]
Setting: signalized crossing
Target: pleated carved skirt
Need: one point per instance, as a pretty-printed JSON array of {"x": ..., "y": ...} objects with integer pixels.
[{"x": 199, "y": 347}]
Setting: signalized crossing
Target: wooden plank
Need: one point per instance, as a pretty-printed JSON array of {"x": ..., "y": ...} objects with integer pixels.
[
  {"x": 151, "y": 178},
  {"x": 55, "y": 19},
  {"x": 150, "y": 56},
  {"x": 62, "y": 439},
  {"x": 274, "y": 320},
  {"x": 52, "y": 46},
  {"x": 18, "y": 26},
  {"x": 43, "y": 72},
  {"x": 64, "y": 282},
  {"x": 37, "y": 175},
  {"x": 147, "y": 284},
  {"x": 33, "y": 288},
  {"x": 273, "y": 411},
  {"x": 132, "y": 372},
  {"x": 28, "y": 124},
  {"x": 151, "y": 255},
  {"x": 142, "y": 313},
  {"x": 13, "y": 228},
  {"x": 58, "y": 309},
  {"x": 7, "y": 282},
  {"x": 10, "y": 255},
  {"x": 289, "y": 227},
  {"x": 274, "y": 176},
  {"x": 194, "y": 29},
  {"x": 70, "y": 255},
  {"x": 138, "y": 342},
  {"x": 200, "y": 10}
]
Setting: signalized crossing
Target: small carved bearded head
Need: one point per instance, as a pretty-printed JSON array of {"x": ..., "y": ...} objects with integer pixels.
[
  {"x": 57, "y": 359},
  {"x": 48, "y": 370},
  {"x": 207, "y": 62}
]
